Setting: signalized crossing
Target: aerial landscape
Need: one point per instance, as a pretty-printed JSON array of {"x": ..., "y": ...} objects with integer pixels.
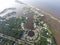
[{"x": 25, "y": 24}]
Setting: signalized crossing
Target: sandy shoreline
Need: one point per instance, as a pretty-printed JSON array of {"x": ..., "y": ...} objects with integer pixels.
[{"x": 54, "y": 26}]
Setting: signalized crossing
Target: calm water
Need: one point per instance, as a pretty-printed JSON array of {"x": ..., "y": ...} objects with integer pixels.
[{"x": 50, "y": 5}]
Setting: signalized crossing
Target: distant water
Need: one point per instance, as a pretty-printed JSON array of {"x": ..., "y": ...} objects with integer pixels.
[{"x": 51, "y": 5}]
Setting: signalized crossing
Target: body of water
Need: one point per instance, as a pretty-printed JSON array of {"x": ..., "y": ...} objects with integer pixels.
[
  {"x": 52, "y": 6},
  {"x": 48, "y": 5}
]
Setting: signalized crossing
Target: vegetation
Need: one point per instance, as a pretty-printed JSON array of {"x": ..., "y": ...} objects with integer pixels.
[
  {"x": 12, "y": 27},
  {"x": 4, "y": 41},
  {"x": 46, "y": 37}
]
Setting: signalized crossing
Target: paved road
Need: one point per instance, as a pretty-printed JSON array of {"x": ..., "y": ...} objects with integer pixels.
[{"x": 11, "y": 38}]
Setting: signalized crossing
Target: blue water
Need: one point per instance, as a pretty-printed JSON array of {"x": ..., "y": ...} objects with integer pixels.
[{"x": 51, "y": 5}]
